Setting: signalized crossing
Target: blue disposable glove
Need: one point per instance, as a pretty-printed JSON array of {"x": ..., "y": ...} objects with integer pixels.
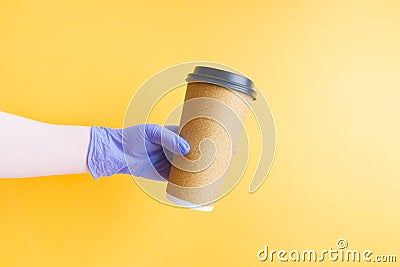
[{"x": 143, "y": 146}]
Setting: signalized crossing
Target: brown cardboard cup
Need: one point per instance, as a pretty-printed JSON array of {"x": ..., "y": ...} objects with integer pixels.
[{"x": 216, "y": 105}]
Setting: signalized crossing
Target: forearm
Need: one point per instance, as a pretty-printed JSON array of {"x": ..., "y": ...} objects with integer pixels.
[{"x": 30, "y": 148}]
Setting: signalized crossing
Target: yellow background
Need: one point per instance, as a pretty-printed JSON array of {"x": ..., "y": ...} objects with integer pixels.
[{"x": 329, "y": 69}]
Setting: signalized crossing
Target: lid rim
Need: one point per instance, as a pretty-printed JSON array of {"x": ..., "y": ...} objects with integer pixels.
[
  {"x": 231, "y": 86},
  {"x": 222, "y": 78}
]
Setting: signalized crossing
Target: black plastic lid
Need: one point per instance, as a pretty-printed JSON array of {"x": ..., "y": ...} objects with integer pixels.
[{"x": 222, "y": 78}]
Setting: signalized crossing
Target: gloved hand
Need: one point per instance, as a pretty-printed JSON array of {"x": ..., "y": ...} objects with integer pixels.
[{"x": 143, "y": 146}]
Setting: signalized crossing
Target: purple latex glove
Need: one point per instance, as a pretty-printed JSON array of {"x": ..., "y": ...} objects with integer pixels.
[{"x": 143, "y": 146}]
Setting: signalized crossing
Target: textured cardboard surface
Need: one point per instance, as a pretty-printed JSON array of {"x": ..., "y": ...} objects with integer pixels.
[{"x": 212, "y": 121}]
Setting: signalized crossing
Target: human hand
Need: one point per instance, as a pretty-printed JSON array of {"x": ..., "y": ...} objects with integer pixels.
[{"x": 143, "y": 146}]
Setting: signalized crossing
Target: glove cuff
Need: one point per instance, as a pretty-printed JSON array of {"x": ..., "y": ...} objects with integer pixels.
[{"x": 105, "y": 155}]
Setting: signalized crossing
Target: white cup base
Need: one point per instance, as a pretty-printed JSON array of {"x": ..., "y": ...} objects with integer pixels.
[{"x": 187, "y": 204}]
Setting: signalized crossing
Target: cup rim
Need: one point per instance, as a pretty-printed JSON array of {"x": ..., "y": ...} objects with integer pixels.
[{"x": 223, "y": 78}]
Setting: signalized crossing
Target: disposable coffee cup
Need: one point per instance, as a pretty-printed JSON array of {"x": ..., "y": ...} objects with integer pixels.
[{"x": 216, "y": 105}]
